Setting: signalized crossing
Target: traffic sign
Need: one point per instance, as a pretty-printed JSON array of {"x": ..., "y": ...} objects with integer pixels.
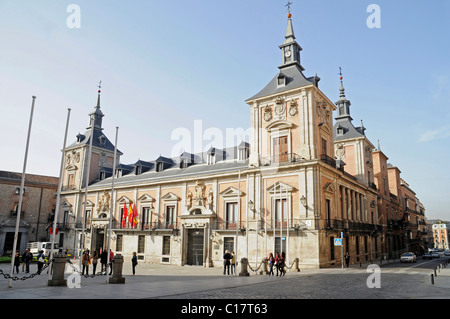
[{"x": 338, "y": 241}]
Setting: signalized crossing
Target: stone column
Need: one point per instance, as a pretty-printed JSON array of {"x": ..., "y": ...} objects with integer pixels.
[
  {"x": 59, "y": 266},
  {"x": 117, "y": 264}
]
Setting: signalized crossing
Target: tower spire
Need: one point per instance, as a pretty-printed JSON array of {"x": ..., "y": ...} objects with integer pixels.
[
  {"x": 343, "y": 105},
  {"x": 290, "y": 49},
  {"x": 95, "y": 117}
]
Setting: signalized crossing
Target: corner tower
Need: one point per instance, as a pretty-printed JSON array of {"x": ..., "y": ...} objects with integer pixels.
[{"x": 291, "y": 118}]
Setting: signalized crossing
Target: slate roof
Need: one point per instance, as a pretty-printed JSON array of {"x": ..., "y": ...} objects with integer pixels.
[
  {"x": 95, "y": 142},
  {"x": 294, "y": 79},
  {"x": 172, "y": 169}
]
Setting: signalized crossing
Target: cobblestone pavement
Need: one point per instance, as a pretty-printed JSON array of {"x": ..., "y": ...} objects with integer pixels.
[{"x": 190, "y": 282}]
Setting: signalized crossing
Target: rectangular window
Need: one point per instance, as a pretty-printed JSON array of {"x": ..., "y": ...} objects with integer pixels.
[
  {"x": 328, "y": 213},
  {"x": 170, "y": 216},
  {"x": 141, "y": 244},
  {"x": 281, "y": 212},
  {"x": 231, "y": 215},
  {"x": 357, "y": 244},
  {"x": 119, "y": 243},
  {"x": 324, "y": 146},
  {"x": 146, "y": 217},
  {"x": 280, "y": 244},
  {"x": 228, "y": 244},
  {"x": 280, "y": 149},
  {"x": 166, "y": 245}
]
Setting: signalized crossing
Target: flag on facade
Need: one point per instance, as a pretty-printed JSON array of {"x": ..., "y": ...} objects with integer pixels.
[
  {"x": 135, "y": 214},
  {"x": 124, "y": 215},
  {"x": 130, "y": 215}
]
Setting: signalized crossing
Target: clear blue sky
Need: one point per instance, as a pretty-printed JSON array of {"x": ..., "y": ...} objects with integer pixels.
[{"x": 165, "y": 64}]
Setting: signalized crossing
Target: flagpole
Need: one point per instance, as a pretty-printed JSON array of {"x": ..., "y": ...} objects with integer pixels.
[
  {"x": 113, "y": 203},
  {"x": 83, "y": 213},
  {"x": 239, "y": 216},
  {"x": 58, "y": 195},
  {"x": 22, "y": 184}
]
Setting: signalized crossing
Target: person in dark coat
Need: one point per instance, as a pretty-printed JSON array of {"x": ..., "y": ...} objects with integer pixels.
[
  {"x": 226, "y": 262},
  {"x": 16, "y": 261},
  {"x": 104, "y": 260},
  {"x": 347, "y": 258},
  {"x": 134, "y": 262}
]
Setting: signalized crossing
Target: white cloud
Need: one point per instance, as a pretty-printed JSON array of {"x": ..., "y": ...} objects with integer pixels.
[{"x": 439, "y": 133}]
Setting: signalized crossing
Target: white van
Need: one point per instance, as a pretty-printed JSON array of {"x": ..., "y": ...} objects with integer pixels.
[{"x": 37, "y": 246}]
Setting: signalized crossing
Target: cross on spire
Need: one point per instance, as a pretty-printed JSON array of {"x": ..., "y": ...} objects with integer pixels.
[{"x": 288, "y": 5}]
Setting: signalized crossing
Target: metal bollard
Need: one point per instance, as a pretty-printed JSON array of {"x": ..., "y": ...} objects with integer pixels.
[
  {"x": 265, "y": 270},
  {"x": 59, "y": 266},
  {"x": 432, "y": 279},
  {"x": 244, "y": 265},
  {"x": 117, "y": 264},
  {"x": 296, "y": 261}
]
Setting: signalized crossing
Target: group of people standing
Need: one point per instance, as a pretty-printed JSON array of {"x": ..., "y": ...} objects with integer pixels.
[
  {"x": 279, "y": 262},
  {"x": 87, "y": 259},
  {"x": 229, "y": 262}
]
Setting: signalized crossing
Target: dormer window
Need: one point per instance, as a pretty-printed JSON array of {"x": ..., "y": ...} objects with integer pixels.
[
  {"x": 138, "y": 170},
  {"x": 102, "y": 139},
  {"x": 281, "y": 80},
  {"x": 159, "y": 167},
  {"x": 102, "y": 175},
  {"x": 211, "y": 159},
  {"x": 119, "y": 172},
  {"x": 80, "y": 138}
]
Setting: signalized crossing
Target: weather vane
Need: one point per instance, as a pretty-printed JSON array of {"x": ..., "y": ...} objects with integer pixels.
[
  {"x": 99, "y": 86},
  {"x": 288, "y": 5},
  {"x": 340, "y": 73}
]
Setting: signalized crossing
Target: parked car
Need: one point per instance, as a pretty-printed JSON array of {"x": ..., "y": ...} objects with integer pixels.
[
  {"x": 408, "y": 257},
  {"x": 447, "y": 253},
  {"x": 427, "y": 256},
  {"x": 435, "y": 254}
]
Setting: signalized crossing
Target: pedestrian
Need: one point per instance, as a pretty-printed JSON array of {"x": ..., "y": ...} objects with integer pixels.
[
  {"x": 134, "y": 262},
  {"x": 86, "y": 261},
  {"x": 103, "y": 260},
  {"x": 277, "y": 260},
  {"x": 94, "y": 260},
  {"x": 271, "y": 261},
  {"x": 226, "y": 262},
  {"x": 28, "y": 259},
  {"x": 233, "y": 263},
  {"x": 347, "y": 258},
  {"x": 111, "y": 256},
  {"x": 282, "y": 264},
  {"x": 17, "y": 261},
  {"x": 40, "y": 261},
  {"x": 24, "y": 260}
]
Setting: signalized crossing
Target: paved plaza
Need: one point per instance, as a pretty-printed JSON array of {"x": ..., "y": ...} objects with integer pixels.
[{"x": 193, "y": 282}]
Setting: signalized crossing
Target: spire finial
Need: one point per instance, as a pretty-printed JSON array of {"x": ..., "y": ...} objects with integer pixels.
[
  {"x": 99, "y": 87},
  {"x": 342, "y": 90},
  {"x": 288, "y": 5}
]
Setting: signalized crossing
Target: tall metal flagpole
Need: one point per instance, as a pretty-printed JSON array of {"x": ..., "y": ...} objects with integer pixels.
[
  {"x": 22, "y": 184},
  {"x": 58, "y": 194},
  {"x": 113, "y": 202},
  {"x": 83, "y": 213},
  {"x": 239, "y": 216}
]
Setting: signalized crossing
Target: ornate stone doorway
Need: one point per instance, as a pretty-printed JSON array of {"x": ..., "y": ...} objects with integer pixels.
[{"x": 195, "y": 247}]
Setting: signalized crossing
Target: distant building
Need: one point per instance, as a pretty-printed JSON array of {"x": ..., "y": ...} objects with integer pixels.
[
  {"x": 441, "y": 233},
  {"x": 38, "y": 209}
]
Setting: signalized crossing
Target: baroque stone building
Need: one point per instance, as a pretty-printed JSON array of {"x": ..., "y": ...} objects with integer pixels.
[{"x": 298, "y": 185}]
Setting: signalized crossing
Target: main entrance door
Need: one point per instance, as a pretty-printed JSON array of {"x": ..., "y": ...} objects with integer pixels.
[{"x": 195, "y": 247}]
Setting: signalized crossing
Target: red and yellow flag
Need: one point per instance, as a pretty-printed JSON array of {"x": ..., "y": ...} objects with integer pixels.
[{"x": 124, "y": 215}]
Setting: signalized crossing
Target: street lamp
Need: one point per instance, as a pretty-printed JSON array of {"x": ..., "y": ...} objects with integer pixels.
[{"x": 303, "y": 200}]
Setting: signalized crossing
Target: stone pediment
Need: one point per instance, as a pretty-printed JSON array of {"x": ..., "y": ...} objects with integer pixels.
[
  {"x": 170, "y": 197},
  {"x": 124, "y": 199},
  {"x": 231, "y": 192},
  {"x": 280, "y": 187},
  {"x": 146, "y": 199},
  {"x": 279, "y": 125}
]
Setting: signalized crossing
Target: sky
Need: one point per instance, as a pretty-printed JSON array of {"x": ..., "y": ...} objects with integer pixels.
[{"x": 176, "y": 72}]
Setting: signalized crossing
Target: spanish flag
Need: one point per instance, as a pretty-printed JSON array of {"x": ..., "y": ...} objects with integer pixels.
[
  {"x": 124, "y": 215},
  {"x": 130, "y": 215}
]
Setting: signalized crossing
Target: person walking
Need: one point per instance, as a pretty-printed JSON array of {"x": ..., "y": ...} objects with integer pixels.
[
  {"x": 282, "y": 264},
  {"x": 103, "y": 260},
  {"x": 134, "y": 262},
  {"x": 271, "y": 261},
  {"x": 16, "y": 261},
  {"x": 347, "y": 258},
  {"x": 94, "y": 261},
  {"x": 40, "y": 261},
  {"x": 28, "y": 259},
  {"x": 277, "y": 260},
  {"x": 233, "y": 263},
  {"x": 226, "y": 262},
  {"x": 24, "y": 260},
  {"x": 111, "y": 256},
  {"x": 86, "y": 261}
]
